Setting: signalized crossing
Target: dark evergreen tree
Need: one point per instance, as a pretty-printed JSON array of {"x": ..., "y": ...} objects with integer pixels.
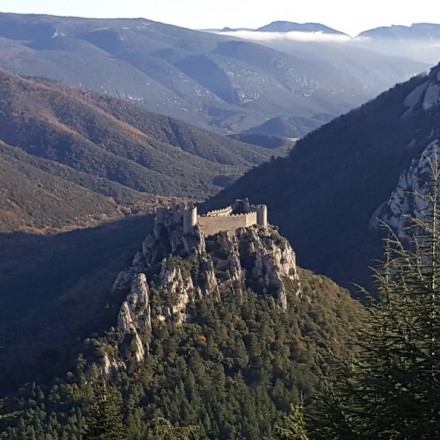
[
  {"x": 390, "y": 389},
  {"x": 104, "y": 421},
  {"x": 162, "y": 429},
  {"x": 293, "y": 426}
]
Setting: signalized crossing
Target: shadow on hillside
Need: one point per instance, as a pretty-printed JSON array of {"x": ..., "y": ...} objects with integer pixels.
[{"x": 55, "y": 291}]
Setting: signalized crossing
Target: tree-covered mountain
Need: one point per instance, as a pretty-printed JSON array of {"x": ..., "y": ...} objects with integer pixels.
[
  {"x": 106, "y": 157},
  {"x": 327, "y": 194},
  {"x": 33, "y": 198},
  {"x": 221, "y": 333},
  {"x": 233, "y": 370},
  {"x": 209, "y": 80}
]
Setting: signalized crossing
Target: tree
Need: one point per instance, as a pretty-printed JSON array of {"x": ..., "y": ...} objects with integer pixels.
[
  {"x": 104, "y": 421},
  {"x": 162, "y": 429},
  {"x": 390, "y": 389},
  {"x": 294, "y": 426}
]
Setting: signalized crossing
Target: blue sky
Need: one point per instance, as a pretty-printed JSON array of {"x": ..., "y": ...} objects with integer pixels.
[{"x": 347, "y": 16}]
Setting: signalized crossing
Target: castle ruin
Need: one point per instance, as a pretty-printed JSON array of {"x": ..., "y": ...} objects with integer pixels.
[{"x": 239, "y": 215}]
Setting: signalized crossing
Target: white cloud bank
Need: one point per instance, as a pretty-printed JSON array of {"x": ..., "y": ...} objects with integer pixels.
[{"x": 288, "y": 36}]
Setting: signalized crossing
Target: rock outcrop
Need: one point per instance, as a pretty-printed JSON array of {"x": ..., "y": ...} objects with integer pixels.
[
  {"x": 409, "y": 198},
  {"x": 426, "y": 95},
  {"x": 135, "y": 314},
  {"x": 135, "y": 310},
  {"x": 272, "y": 261},
  {"x": 175, "y": 268},
  {"x": 179, "y": 287}
]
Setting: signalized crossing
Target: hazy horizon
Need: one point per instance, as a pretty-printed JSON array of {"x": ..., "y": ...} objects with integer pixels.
[{"x": 342, "y": 15}]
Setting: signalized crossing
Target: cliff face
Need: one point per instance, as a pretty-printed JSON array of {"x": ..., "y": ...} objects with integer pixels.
[
  {"x": 409, "y": 198},
  {"x": 175, "y": 269}
]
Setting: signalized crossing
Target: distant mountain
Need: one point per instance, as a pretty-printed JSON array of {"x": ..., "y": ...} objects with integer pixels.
[
  {"x": 415, "y": 31},
  {"x": 289, "y": 26},
  {"x": 227, "y": 29},
  {"x": 420, "y": 41},
  {"x": 68, "y": 155},
  {"x": 215, "y": 81},
  {"x": 327, "y": 194}
]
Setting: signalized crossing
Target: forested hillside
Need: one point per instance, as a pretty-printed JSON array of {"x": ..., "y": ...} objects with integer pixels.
[
  {"x": 107, "y": 157},
  {"x": 231, "y": 371}
]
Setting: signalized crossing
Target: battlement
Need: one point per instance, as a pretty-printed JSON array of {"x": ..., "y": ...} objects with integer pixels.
[
  {"x": 240, "y": 215},
  {"x": 220, "y": 212}
]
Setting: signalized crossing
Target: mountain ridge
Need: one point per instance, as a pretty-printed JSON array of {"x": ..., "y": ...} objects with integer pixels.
[
  {"x": 119, "y": 156},
  {"x": 221, "y": 311},
  {"x": 205, "y": 79}
]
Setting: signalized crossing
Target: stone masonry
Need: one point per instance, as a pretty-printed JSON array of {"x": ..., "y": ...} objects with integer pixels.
[{"x": 239, "y": 215}]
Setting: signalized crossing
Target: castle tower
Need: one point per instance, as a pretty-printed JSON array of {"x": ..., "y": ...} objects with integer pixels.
[
  {"x": 261, "y": 215},
  {"x": 161, "y": 214},
  {"x": 189, "y": 219},
  {"x": 179, "y": 210}
]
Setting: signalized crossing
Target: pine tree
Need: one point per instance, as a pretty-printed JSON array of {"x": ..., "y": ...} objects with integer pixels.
[
  {"x": 390, "y": 389},
  {"x": 104, "y": 421},
  {"x": 162, "y": 429},
  {"x": 294, "y": 426}
]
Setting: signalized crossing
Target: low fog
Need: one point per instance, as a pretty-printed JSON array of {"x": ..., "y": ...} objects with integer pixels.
[{"x": 425, "y": 50}]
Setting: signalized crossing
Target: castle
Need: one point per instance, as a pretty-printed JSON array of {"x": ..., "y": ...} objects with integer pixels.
[{"x": 239, "y": 215}]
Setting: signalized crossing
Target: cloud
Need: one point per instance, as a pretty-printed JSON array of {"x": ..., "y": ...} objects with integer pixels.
[
  {"x": 288, "y": 36},
  {"x": 362, "y": 39}
]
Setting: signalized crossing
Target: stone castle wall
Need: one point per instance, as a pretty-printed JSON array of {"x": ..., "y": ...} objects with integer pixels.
[
  {"x": 210, "y": 225},
  {"x": 185, "y": 215},
  {"x": 224, "y": 212}
]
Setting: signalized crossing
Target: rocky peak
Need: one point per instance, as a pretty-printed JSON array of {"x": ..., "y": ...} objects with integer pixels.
[{"x": 176, "y": 268}]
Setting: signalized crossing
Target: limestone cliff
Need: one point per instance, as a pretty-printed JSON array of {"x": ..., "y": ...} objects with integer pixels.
[
  {"x": 271, "y": 261},
  {"x": 409, "y": 197},
  {"x": 177, "y": 268}
]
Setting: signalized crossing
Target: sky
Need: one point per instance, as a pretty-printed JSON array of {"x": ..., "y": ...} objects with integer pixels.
[{"x": 349, "y": 16}]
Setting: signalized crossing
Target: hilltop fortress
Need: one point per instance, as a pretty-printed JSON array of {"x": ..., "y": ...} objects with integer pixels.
[{"x": 239, "y": 215}]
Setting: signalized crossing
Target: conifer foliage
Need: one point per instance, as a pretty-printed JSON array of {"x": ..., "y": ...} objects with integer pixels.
[
  {"x": 230, "y": 372},
  {"x": 390, "y": 389},
  {"x": 294, "y": 426},
  {"x": 104, "y": 420}
]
